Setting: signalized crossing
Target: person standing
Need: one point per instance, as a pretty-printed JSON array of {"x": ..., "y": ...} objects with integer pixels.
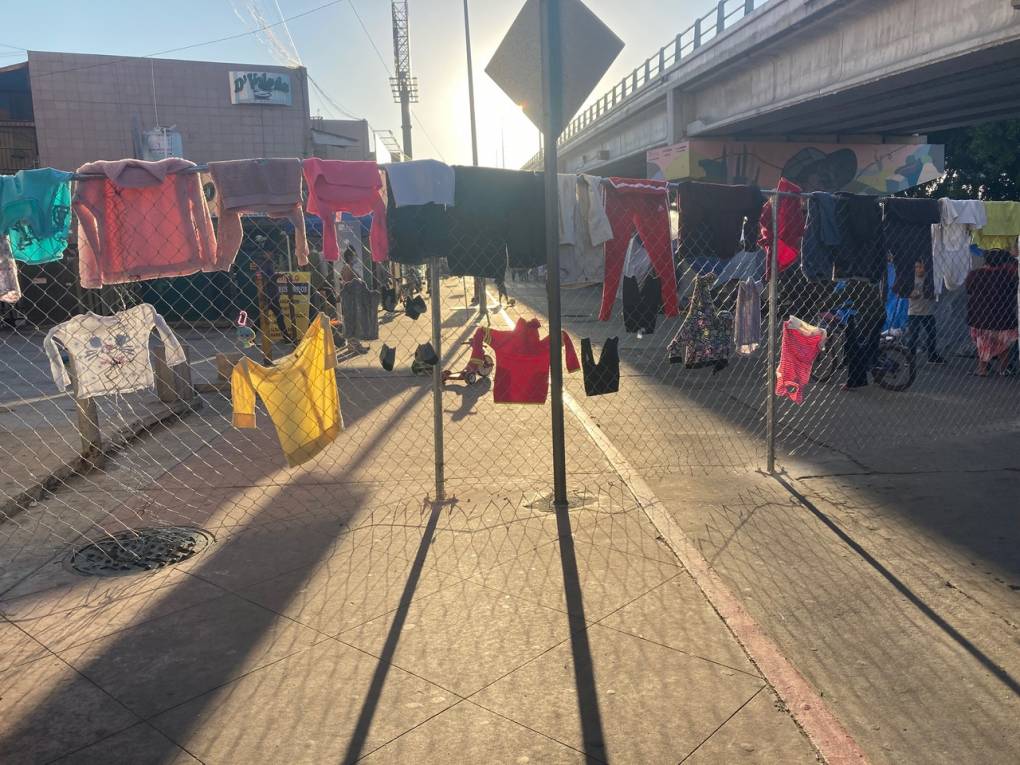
[
  {"x": 921, "y": 318},
  {"x": 864, "y": 333},
  {"x": 992, "y": 310}
]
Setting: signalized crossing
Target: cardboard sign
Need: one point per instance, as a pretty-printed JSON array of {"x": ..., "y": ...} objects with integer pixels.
[{"x": 299, "y": 297}]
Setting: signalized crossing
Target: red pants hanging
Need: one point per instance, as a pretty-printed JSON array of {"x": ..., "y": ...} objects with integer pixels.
[{"x": 641, "y": 206}]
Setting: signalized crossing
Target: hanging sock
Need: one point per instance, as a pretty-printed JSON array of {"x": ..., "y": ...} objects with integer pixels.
[
  {"x": 603, "y": 377},
  {"x": 747, "y": 322},
  {"x": 387, "y": 357}
]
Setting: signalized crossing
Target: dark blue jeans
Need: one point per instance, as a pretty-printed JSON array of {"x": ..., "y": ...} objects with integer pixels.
[{"x": 916, "y": 325}]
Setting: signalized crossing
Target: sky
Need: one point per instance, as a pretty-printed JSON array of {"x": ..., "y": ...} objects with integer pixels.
[{"x": 340, "y": 56}]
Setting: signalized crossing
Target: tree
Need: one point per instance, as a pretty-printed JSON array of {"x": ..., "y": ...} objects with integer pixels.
[{"x": 982, "y": 162}]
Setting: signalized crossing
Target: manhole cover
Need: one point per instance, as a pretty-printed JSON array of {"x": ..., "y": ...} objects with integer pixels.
[{"x": 137, "y": 550}]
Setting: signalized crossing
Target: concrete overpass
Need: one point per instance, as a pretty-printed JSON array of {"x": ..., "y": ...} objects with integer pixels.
[{"x": 834, "y": 71}]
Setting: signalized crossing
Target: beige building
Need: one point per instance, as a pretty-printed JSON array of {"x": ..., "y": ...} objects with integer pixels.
[{"x": 85, "y": 107}]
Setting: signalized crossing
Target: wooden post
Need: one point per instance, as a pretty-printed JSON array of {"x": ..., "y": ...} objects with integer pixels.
[
  {"x": 173, "y": 384},
  {"x": 88, "y": 425},
  {"x": 267, "y": 342}
]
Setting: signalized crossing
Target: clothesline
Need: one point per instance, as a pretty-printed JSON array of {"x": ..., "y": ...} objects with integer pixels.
[{"x": 100, "y": 176}]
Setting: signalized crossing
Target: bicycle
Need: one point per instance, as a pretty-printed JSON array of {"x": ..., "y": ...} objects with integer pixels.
[{"x": 894, "y": 369}]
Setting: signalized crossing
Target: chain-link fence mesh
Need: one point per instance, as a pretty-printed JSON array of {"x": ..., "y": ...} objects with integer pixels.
[
  {"x": 342, "y": 542},
  {"x": 694, "y": 373}
]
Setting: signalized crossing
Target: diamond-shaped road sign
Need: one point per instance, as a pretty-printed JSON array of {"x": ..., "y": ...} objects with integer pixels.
[{"x": 587, "y": 46}]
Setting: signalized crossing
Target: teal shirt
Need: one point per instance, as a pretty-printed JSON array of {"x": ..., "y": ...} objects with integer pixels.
[{"x": 35, "y": 213}]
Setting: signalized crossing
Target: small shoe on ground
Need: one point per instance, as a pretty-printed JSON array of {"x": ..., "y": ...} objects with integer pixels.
[
  {"x": 426, "y": 354},
  {"x": 415, "y": 307}
]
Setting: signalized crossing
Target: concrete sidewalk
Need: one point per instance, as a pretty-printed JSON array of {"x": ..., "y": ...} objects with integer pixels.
[{"x": 342, "y": 616}]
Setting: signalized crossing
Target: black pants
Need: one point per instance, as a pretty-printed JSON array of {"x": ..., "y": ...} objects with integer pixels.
[
  {"x": 926, "y": 324},
  {"x": 862, "y": 340},
  {"x": 641, "y": 304}
]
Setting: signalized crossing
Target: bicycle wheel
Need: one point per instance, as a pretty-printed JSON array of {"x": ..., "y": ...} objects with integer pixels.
[{"x": 896, "y": 370}]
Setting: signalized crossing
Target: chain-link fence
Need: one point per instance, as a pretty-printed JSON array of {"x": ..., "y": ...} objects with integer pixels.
[
  {"x": 657, "y": 295},
  {"x": 297, "y": 423}
]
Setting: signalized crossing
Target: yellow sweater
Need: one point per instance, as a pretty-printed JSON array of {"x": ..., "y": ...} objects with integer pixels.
[
  {"x": 300, "y": 394},
  {"x": 1002, "y": 229}
]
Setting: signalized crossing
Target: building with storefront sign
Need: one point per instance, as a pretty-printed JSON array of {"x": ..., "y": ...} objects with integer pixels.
[{"x": 64, "y": 109}]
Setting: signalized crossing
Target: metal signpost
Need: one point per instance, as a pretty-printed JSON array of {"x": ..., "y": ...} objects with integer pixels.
[{"x": 552, "y": 57}]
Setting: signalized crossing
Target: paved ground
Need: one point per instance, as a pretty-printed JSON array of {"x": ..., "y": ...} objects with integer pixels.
[
  {"x": 341, "y": 616},
  {"x": 884, "y": 563}
]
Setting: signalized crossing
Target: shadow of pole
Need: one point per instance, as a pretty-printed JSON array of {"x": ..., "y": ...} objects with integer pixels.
[
  {"x": 580, "y": 649},
  {"x": 368, "y": 708},
  {"x": 997, "y": 671}
]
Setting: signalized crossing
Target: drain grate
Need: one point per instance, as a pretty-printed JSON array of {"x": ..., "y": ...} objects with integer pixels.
[{"x": 138, "y": 550}]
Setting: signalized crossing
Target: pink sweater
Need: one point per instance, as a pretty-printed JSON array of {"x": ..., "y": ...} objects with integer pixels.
[
  {"x": 144, "y": 220},
  {"x": 336, "y": 186}
]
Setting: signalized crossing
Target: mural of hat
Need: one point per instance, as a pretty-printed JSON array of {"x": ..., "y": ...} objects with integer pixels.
[{"x": 814, "y": 170}]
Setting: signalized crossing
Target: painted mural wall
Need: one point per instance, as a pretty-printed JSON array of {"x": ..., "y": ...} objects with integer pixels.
[{"x": 885, "y": 168}]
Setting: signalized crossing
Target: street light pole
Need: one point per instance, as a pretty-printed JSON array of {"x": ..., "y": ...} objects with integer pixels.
[{"x": 483, "y": 307}]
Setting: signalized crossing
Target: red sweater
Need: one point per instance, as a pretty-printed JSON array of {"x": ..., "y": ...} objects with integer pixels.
[
  {"x": 791, "y": 227},
  {"x": 522, "y": 361},
  {"x": 336, "y": 186}
]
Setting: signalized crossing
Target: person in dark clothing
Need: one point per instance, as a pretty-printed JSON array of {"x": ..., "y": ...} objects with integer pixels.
[
  {"x": 271, "y": 292},
  {"x": 863, "y": 333},
  {"x": 992, "y": 310}
]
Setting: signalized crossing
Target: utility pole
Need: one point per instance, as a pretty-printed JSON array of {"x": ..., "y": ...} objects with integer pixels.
[
  {"x": 403, "y": 84},
  {"x": 480, "y": 296},
  {"x": 405, "y": 91}
]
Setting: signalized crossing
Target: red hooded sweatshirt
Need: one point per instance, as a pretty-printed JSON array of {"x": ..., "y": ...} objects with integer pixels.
[{"x": 522, "y": 361}]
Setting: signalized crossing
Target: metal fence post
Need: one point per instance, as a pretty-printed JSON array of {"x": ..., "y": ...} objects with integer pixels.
[
  {"x": 720, "y": 17},
  {"x": 552, "y": 76},
  {"x": 770, "y": 376},
  {"x": 437, "y": 380}
]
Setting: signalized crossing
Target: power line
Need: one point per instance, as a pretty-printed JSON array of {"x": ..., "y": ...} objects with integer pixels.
[
  {"x": 339, "y": 107},
  {"x": 261, "y": 28}
]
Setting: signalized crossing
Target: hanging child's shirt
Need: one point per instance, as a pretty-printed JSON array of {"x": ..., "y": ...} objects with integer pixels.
[
  {"x": 951, "y": 258},
  {"x": 268, "y": 186},
  {"x": 142, "y": 220},
  {"x": 35, "y": 211},
  {"x": 706, "y": 335},
  {"x": 1002, "y": 226},
  {"x": 747, "y": 321},
  {"x": 800, "y": 347},
  {"x": 337, "y": 186},
  {"x": 584, "y": 230},
  {"x": 110, "y": 354},
  {"x": 603, "y": 376},
  {"x": 522, "y": 361},
  {"x": 299, "y": 392},
  {"x": 791, "y": 227}
]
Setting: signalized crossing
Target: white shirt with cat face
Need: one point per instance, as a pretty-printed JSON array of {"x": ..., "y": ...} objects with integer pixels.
[{"x": 110, "y": 354}]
